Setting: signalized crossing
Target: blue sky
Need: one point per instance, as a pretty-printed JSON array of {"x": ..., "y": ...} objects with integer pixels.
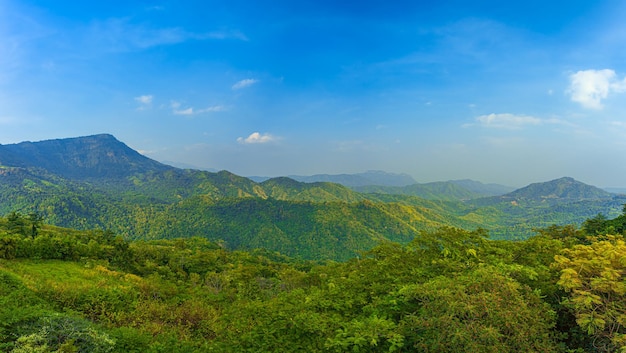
[{"x": 507, "y": 92}]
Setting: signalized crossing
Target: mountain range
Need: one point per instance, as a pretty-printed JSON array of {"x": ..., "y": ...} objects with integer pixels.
[
  {"x": 392, "y": 183},
  {"x": 372, "y": 177},
  {"x": 99, "y": 182}
]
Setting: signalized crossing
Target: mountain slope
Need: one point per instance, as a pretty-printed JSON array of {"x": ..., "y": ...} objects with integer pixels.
[
  {"x": 561, "y": 201},
  {"x": 483, "y": 189},
  {"x": 558, "y": 191},
  {"x": 372, "y": 177},
  {"x": 310, "y": 230},
  {"x": 431, "y": 191},
  {"x": 289, "y": 189},
  {"x": 140, "y": 198},
  {"x": 98, "y": 182},
  {"x": 90, "y": 157},
  {"x": 563, "y": 188}
]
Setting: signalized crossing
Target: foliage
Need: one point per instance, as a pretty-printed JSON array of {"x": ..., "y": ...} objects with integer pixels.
[
  {"x": 593, "y": 275},
  {"x": 99, "y": 183},
  {"x": 483, "y": 311},
  {"x": 447, "y": 290}
]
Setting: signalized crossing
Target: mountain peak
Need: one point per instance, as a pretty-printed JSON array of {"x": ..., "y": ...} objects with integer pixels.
[
  {"x": 92, "y": 157},
  {"x": 562, "y": 188}
]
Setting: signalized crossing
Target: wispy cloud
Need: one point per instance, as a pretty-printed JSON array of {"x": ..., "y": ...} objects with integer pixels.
[
  {"x": 590, "y": 87},
  {"x": 358, "y": 146},
  {"x": 503, "y": 141},
  {"x": 8, "y": 120},
  {"x": 145, "y": 101},
  {"x": 244, "y": 83},
  {"x": 188, "y": 111},
  {"x": 224, "y": 34},
  {"x": 215, "y": 108},
  {"x": 177, "y": 110},
  {"x": 19, "y": 32},
  {"x": 505, "y": 121},
  {"x": 618, "y": 125},
  {"x": 257, "y": 138},
  {"x": 155, "y": 8},
  {"x": 120, "y": 34}
]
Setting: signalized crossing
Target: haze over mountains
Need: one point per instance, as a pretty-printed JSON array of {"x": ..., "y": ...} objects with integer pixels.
[
  {"x": 372, "y": 177},
  {"x": 99, "y": 182}
]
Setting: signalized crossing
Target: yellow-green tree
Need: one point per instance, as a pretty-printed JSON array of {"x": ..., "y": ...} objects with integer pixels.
[{"x": 594, "y": 277}]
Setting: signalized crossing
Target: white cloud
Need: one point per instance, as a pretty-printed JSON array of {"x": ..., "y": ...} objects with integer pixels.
[
  {"x": 120, "y": 34},
  {"x": 506, "y": 121},
  {"x": 223, "y": 35},
  {"x": 619, "y": 86},
  {"x": 155, "y": 8},
  {"x": 257, "y": 137},
  {"x": 145, "y": 99},
  {"x": 191, "y": 111},
  {"x": 188, "y": 111},
  {"x": 215, "y": 108},
  {"x": 591, "y": 87},
  {"x": 244, "y": 83}
]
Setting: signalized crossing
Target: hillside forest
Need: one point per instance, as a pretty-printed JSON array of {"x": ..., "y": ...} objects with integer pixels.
[
  {"x": 105, "y": 250},
  {"x": 449, "y": 290}
]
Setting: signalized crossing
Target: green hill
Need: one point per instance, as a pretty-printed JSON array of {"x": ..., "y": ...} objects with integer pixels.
[
  {"x": 372, "y": 177},
  {"x": 483, "y": 189},
  {"x": 289, "y": 189},
  {"x": 63, "y": 181},
  {"x": 450, "y": 290},
  {"x": 563, "y": 188},
  {"x": 98, "y": 157},
  {"x": 433, "y": 191}
]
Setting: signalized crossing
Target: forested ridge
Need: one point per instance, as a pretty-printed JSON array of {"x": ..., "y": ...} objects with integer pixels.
[
  {"x": 447, "y": 290},
  {"x": 336, "y": 221},
  {"x": 105, "y": 250},
  {"x": 97, "y": 182}
]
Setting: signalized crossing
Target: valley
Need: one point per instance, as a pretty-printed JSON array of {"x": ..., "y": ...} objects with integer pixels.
[{"x": 97, "y": 182}]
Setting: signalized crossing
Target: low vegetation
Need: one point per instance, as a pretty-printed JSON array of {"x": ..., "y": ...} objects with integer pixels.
[{"x": 447, "y": 290}]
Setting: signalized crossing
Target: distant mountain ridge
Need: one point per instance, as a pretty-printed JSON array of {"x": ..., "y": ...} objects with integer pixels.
[
  {"x": 431, "y": 191},
  {"x": 99, "y": 182},
  {"x": 562, "y": 188},
  {"x": 459, "y": 190},
  {"x": 98, "y": 157},
  {"x": 483, "y": 189},
  {"x": 380, "y": 182},
  {"x": 371, "y": 177},
  {"x": 565, "y": 190}
]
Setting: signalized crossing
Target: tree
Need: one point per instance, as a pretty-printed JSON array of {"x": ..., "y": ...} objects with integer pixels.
[
  {"x": 16, "y": 223},
  {"x": 35, "y": 220},
  {"x": 62, "y": 333},
  {"x": 481, "y": 311},
  {"x": 594, "y": 276},
  {"x": 595, "y": 225}
]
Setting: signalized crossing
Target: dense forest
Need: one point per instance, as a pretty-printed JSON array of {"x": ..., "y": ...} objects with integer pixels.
[
  {"x": 446, "y": 290},
  {"x": 97, "y": 182},
  {"x": 105, "y": 250}
]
